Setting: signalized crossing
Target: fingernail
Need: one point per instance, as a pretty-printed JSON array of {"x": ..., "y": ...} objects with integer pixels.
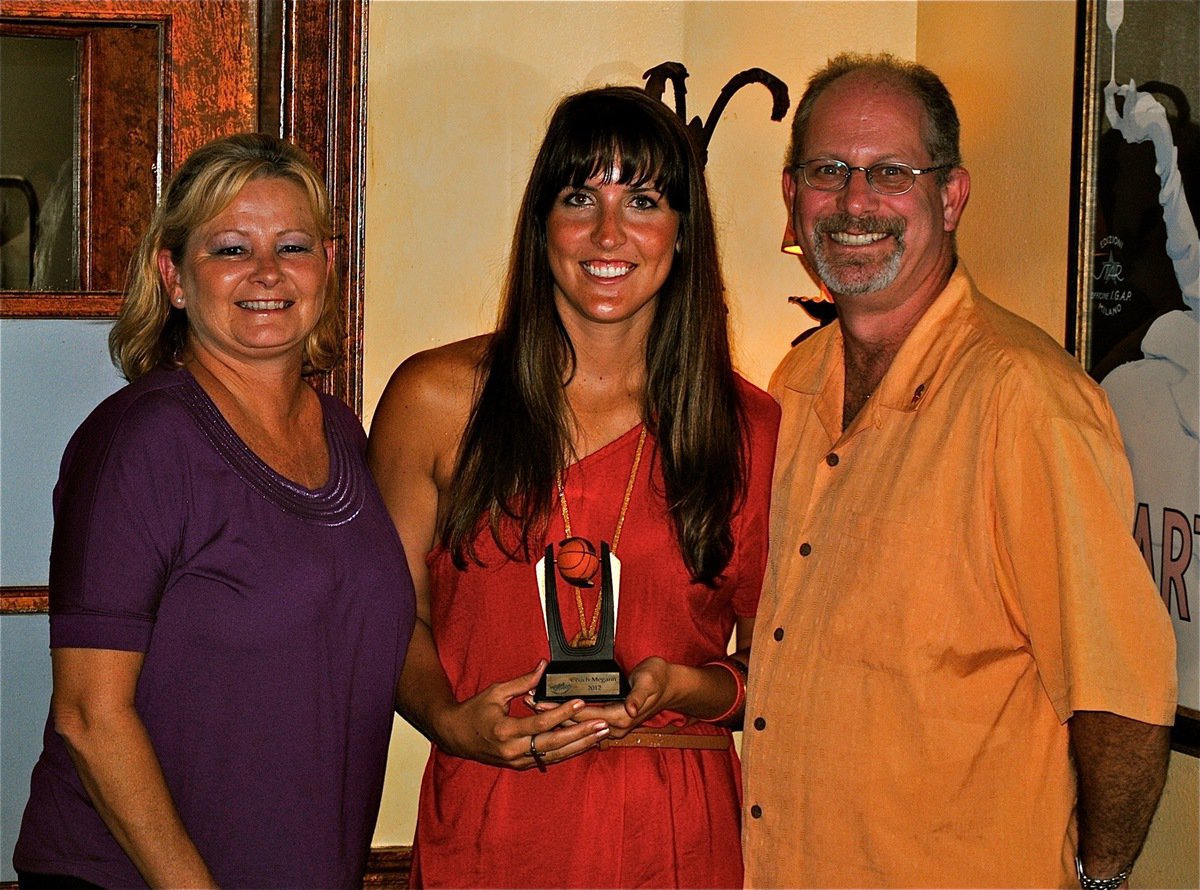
[
  {"x": 576, "y": 706},
  {"x": 602, "y": 731}
]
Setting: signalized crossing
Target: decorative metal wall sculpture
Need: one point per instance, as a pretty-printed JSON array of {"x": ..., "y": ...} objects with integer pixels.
[{"x": 656, "y": 83}]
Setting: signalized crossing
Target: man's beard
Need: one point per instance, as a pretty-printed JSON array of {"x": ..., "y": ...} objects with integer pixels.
[{"x": 851, "y": 278}]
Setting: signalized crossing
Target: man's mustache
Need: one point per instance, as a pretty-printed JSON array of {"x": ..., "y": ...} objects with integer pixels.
[{"x": 860, "y": 225}]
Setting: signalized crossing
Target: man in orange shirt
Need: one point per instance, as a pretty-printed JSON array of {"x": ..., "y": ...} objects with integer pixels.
[{"x": 962, "y": 673}]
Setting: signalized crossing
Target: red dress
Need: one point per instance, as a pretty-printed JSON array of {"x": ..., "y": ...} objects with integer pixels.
[{"x": 622, "y": 817}]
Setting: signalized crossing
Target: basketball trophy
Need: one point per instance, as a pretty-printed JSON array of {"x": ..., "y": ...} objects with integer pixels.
[{"x": 584, "y": 667}]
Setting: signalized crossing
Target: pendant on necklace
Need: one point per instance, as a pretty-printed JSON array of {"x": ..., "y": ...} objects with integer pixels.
[
  {"x": 577, "y": 560},
  {"x": 583, "y": 640}
]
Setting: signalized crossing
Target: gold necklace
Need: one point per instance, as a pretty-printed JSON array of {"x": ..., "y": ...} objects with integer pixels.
[{"x": 585, "y": 563}]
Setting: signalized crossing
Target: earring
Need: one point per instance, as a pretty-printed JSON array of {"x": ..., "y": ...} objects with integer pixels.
[{"x": 178, "y": 300}]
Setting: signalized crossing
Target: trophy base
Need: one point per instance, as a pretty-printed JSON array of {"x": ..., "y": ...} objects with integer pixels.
[{"x": 597, "y": 680}]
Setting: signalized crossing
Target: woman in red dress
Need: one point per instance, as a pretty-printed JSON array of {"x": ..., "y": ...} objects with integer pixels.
[{"x": 603, "y": 407}]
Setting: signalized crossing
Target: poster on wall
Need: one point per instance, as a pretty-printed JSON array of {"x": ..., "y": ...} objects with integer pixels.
[{"x": 1137, "y": 312}]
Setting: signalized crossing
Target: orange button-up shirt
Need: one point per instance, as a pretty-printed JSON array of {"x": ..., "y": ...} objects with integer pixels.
[{"x": 950, "y": 579}]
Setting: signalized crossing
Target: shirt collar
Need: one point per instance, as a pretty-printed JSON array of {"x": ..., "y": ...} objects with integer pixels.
[{"x": 912, "y": 380}]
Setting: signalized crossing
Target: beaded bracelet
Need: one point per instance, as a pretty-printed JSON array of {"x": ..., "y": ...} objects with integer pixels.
[{"x": 738, "y": 671}]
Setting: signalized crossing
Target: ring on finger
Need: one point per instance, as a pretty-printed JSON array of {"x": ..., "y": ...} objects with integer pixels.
[{"x": 536, "y": 754}]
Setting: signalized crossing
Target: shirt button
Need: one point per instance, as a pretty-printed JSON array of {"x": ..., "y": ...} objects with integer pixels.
[
  {"x": 778, "y": 634},
  {"x": 756, "y": 811},
  {"x": 760, "y": 724},
  {"x": 832, "y": 459},
  {"x": 805, "y": 548}
]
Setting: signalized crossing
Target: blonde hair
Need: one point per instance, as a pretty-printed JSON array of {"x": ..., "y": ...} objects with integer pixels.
[{"x": 149, "y": 332}]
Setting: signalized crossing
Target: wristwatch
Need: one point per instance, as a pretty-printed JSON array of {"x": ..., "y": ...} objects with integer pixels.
[{"x": 1100, "y": 883}]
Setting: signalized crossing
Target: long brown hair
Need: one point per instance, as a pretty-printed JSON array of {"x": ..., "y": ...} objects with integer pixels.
[{"x": 519, "y": 432}]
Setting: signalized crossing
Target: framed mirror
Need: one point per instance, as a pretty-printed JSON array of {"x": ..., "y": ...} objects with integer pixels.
[
  {"x": 100, "y": 99},
  {"x": 80, "y": 146},
  {"x": 127, "y": 86}
]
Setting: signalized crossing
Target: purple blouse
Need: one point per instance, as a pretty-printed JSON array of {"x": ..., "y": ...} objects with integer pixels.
[{"x": 274, "y": 621}]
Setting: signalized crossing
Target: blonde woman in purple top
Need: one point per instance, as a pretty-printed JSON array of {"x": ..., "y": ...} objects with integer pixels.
[{"x": 230, "y": 605}]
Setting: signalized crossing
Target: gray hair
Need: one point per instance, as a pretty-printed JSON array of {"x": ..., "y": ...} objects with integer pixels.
[{"x": 940, "y": 127}]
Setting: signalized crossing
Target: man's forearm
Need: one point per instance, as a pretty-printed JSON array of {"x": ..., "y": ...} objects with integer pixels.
[{"x": 1122, "y": 767}]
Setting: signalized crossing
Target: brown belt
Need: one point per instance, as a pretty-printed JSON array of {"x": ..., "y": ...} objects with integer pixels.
[{"x": 658, "y": 739}]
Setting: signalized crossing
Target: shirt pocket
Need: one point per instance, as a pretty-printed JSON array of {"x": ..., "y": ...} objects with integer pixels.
[{"x": 896, "y": 598}]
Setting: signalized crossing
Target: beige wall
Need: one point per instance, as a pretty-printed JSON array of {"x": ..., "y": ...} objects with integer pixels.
[
  {"x": 1010, "y": 67},
  {"x": 459, "y": 94}
]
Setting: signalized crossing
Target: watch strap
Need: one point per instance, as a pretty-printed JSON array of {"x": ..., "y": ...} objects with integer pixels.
[{"x": 1089, "y": 883}]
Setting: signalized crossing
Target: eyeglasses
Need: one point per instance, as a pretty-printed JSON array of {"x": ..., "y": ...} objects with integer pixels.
[{"x": 887, "y": 178}]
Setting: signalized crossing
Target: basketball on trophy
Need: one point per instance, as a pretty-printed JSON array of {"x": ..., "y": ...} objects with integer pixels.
[{"x": 577, "y": 561}]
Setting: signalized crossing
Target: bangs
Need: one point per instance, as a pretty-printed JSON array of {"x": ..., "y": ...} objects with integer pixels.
[
  {"x": 600, "y": 137},
  {"x": 199, "y": 199},
  {"x": 636, "y": 161}
]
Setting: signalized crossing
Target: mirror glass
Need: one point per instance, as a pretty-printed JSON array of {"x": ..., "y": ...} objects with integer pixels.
[
  {"x": 39, "y": 163},
  {"x": 81, "y": 140}
]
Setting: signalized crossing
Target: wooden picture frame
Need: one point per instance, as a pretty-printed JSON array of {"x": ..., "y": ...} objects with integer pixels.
[
  {"x": 1129, "y": 287},
  {"x": 303, "y": 77}
]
